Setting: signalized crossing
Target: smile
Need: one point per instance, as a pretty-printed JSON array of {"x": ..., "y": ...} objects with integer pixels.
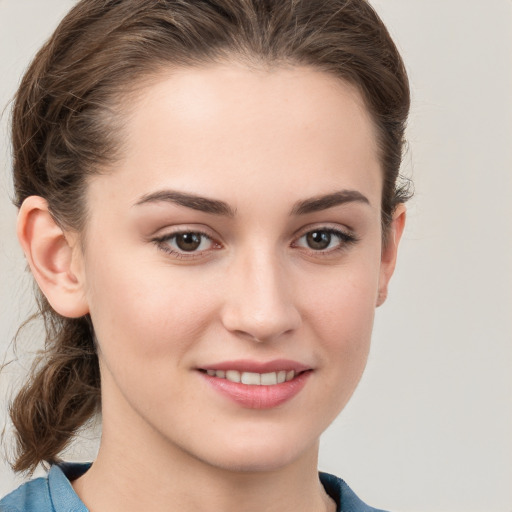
[
  {"x": 257, "y": 385},
  {"x": 253, "y": 378}
]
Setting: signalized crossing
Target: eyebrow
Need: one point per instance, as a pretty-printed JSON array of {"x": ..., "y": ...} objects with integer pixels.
[
  {"x": 319, "y": 203},
  {"x": 193, "y": 201},
  {"x": 217, "y": 207}
]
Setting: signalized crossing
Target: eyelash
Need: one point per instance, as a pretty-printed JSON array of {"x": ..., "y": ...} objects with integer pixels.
[
  {"x": 345, "y": 239},
  {"x": 162, "y": 243}
]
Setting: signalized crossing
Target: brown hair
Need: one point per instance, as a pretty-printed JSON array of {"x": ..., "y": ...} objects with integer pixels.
[{"x": 64, "y": 130}]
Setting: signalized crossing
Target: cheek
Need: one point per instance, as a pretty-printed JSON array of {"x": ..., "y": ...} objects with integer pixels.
[
  {"x": 343, "y": 303},
  {"x": 341, "y": 313},
  {"x": 142, "y": 315}
]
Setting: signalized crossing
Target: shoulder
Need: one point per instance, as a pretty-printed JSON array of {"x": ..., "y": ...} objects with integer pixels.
[
  {"x": 53, "y": 493},
  {"x": 344, "y": 496},
  {"x": 30, "y": 497}
]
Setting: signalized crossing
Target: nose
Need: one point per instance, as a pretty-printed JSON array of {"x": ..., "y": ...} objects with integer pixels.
[{"x": 259, "y": 301}]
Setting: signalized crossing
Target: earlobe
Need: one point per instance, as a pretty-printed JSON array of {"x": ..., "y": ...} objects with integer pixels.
[
  {"x": 389, "y": 252},
  {"x": 52, "y": 258}
]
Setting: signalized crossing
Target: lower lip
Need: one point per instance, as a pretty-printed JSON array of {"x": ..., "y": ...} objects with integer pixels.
[{"x": 258, "y": 397}]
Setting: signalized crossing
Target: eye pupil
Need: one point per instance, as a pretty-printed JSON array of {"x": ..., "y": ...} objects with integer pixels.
[
  {"x": 318, "y": 239},
  {"x": 188, "y": 241}
]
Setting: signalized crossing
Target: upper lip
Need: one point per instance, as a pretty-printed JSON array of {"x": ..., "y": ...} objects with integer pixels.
[{"x": 246, "y": 365}]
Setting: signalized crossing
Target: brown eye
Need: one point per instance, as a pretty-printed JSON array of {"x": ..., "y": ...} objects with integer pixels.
[
  {"x": 325, "y": 240},
  {"x": 318, "y": 240},
  {"x": 188, "y": 241},
  {"x": 192, "y": 242}
]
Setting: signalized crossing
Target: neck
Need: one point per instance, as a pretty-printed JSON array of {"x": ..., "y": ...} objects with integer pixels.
[
  {"x": 130, "y": 481},
  {"x": 137, "y": 468},
  {"x": 159, "y": 476}
]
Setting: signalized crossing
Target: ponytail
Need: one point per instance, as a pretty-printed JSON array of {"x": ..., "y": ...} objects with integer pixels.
[{"x": 61, "y": 394}]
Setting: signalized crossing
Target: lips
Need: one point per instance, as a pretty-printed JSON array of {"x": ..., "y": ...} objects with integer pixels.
[
  {"x": 257, "y": 385},
  {"x": 253, "y": 378}
]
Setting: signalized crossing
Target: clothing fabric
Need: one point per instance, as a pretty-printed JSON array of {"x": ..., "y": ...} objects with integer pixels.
[{"x": 54, "y": 493}]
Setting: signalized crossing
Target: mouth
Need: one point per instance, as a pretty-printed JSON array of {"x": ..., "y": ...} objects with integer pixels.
[
  {"x": 257, "y": 385},
  {"x": 253, "y": 378}
]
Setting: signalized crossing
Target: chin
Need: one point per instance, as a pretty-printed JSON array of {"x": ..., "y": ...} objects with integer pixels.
[
  {"x": 266, "y": 455},
  {"x": 252, "y": 463}
]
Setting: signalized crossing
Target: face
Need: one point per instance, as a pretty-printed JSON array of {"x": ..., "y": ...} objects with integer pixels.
[{"x": 238, "y": 239}]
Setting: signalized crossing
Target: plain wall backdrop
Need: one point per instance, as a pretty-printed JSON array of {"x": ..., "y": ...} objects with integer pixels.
[{"x": 430, "y": 426}]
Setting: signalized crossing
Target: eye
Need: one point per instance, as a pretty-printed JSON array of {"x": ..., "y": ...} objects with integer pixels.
[
  {"x": 186, "y": 242},
  {"x": 190, "y": 242},
  {"x": 325, "y": 240}
]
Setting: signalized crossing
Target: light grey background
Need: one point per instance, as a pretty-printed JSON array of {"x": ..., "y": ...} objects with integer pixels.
[{"x": 430, "y": 427}]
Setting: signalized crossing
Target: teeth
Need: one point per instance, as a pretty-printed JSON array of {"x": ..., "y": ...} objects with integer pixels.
[
  {"x": 233, "y": 376},
  {"x": 252, "y": 378},
  {"x": 268, "y": 379}
]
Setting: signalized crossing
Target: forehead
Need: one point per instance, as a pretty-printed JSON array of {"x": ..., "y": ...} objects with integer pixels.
[{"x": 227, "y": 129}]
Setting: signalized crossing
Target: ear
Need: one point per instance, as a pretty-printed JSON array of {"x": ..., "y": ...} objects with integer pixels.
[
  {"x": 54, "y": 258},
  {"x": 389, "y": 252}
]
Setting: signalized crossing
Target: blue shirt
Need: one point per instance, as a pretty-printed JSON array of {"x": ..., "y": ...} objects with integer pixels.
[{"x": 54, "y": 493}]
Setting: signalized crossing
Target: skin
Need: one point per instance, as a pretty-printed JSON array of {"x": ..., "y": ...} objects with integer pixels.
[{"x": 262, "y": 142}]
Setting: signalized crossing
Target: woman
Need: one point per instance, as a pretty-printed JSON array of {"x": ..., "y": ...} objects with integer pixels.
[{"x": 209, "y": 203}]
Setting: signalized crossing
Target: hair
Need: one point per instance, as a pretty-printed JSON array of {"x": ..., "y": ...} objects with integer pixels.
[{"x": 66, "y": 126}]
